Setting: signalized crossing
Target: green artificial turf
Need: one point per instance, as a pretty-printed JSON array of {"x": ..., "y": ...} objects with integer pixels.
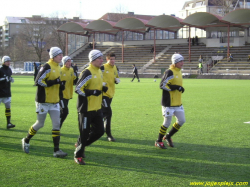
[{"x": 212, "y": 146}]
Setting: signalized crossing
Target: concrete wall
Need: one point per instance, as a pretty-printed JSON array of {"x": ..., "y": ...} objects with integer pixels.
[{"x": 145, "y": 42}]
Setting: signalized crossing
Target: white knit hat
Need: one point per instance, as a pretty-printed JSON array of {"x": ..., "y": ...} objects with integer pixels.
[
  {"x": 5, "y": 59},
  {"x": 65, "y": 59},
  {"x": 94, "y": 54},
  {"x": 54, "y": 51},
  {"x": 176, "y": 58}
]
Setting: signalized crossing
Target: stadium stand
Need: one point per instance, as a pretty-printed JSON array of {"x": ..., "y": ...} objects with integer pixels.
[{"x": 142, "y": 57}]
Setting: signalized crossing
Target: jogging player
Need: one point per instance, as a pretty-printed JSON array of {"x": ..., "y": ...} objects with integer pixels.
[
  {"x": 68, "y": 76},
  {"x": 90, "y": 119},
  {"x": 172, "y": 89},
  {"x": 47, "y": 100},
  {"x": 5, "y": 92},
  {"x": 110, "y": 78},
  {"x": 135, "y": 73}
]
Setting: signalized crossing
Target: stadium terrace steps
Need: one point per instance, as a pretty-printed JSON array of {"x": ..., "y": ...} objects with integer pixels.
[{"x": 141, "y": 55}]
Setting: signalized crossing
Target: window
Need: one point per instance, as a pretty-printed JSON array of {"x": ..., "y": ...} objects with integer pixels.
[
  {"x": 219, "y": 10},
  {"x": 198, "y": 3},
  {"x": 23, "y": 20}
]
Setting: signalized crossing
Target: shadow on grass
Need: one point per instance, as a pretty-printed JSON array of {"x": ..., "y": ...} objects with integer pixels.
[
  {"x": 14, "y": 130},
  {"x": 186, "y": 160}
]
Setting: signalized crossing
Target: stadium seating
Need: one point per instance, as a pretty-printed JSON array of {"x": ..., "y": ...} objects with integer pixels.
[{"x": 141, "y": 55}]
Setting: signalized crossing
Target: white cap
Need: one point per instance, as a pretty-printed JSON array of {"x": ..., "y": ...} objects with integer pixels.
[
  {"x": 54, "y": 51},
  {"x": 176, "y": 58},
  {"x": 94, "y": 54},
  {"x": 5, "y": 59},
  {"x": 65, "y": 59}
]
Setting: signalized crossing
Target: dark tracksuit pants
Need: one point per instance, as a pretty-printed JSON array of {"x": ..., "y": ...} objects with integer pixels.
[
  {"x": 91, "y": 129},
  {"x": 107, "y": 114}
]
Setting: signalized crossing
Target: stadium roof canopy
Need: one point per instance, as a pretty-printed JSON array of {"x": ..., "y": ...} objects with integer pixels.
[
  {"x": 101, "y": 26},
  {"x": 236, "y": 20},
  {"x": 165, "y": 22}
]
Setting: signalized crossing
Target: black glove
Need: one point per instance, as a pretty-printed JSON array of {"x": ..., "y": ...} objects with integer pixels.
[
  {"x": 105, "y": 88},
  {"x": 62, "y": 85},
  {"x": 176, "y": 87},
  {"x": 52, "y": 82},
  {"x": 92, "y": 92},
  {"x": 181, "y": 89}
]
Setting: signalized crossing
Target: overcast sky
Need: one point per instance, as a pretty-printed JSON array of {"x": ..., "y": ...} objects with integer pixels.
[{"x": 87, "y": 9}]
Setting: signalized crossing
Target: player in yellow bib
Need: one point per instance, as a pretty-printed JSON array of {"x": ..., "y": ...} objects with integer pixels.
[{"x": 110, "y": 78}]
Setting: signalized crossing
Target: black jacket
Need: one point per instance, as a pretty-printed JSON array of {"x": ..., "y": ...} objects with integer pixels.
[{"x": 5, "y": 71}]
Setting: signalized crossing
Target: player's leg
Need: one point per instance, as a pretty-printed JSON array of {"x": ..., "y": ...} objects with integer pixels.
[
  {"x": 97, "y": 127},
  {"x": 7, "y": 102},
  {"x": 84, "y": 128},
  {"x": 64, "y": 110},
  {"x": 167, "y": 113},
  {"x": 133, "y": 78},
  {"x": 107, "y": 115},
  {"x": 137, "y": 76},
  {"x": 54, "y": 112},
  {"x": 33, "y": 130},
  {"x": 180, "y": 120}
]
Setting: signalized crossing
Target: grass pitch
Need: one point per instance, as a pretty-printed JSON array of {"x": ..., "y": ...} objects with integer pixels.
[{"x": 212, "y": 146}]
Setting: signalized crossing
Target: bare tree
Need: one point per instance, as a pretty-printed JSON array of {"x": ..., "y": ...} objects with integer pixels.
[
  {"x": 35, "y": 34},
  {"x": 57, "y": 38},
  {"x": 223, "y": 6}
]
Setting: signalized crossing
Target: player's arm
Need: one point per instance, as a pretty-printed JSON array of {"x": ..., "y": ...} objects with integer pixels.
[
  {"x": 102, "y": 68},
  {"x": 42, "y": 77},
  {"x": 82, "y": 84},
  {"x": 75, "y": 77},
  {"x": 117, "y": 78},
  {"x": 2, "y": 78},
  {"x": 166, "y": 82}
]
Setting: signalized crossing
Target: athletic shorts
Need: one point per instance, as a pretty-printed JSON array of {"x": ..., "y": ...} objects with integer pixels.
[
  {"x": 5, "y": 100},
  {"x": 43, "y": 108},
  {"x": 169, "y": 111}
]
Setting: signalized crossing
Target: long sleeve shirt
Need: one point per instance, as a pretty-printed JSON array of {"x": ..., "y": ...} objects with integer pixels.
[
  {"x": 5, "y": 79},
  {"x": 170, "y": 96},
  {"x": 69, "y": 76},
  {"x": 47, "y": 93},
  {"x": 109, "y": 75},
  {"x": 90, "y": 79}
]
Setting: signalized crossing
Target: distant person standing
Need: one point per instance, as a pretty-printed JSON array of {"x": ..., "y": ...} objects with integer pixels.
[
  {"x": 172, "y": 90},
  {"x": 36, "y": 69},
  {"x": 135, "y": 73},
  {"x": 5, "y": 88},
  {"x": 47, "y": 100},
  {"x": 110, "y": 78},
  {"x": 75, "y": 68},
  {"x": 193, "y": 41},
  {"x": 68, "y": 76},
  {"x": 200, "y": 65},
  {"x": 196, "y": 40},
  {"x": 90, "y": 118}
]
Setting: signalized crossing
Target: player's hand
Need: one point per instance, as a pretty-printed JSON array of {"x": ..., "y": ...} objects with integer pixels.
[
  {"x": 62, "y": 85},
  {"x": 105, "y": 88},
  {"x": 96, "y": 92},
  {"x": 7, "y": 79},
  {"x": 181, "y": 89},
  {"x": 117, "y": 80},
  {"x": 57, "y": 81},
  {"x": 11, "y": 79},
  {"x": 92, "y": 92}
]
